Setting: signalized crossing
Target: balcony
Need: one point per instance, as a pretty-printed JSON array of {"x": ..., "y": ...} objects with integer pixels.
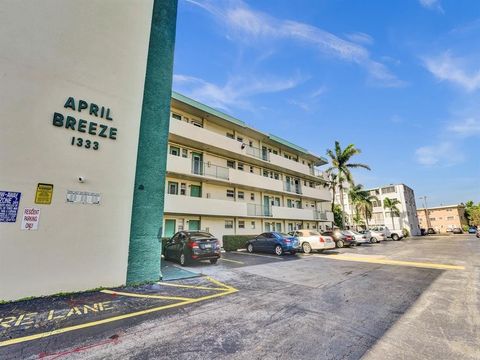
[
  {"x": 281, "y": 212},
  {"x": 318, "y": 193},
  {"x": 289, "y": 164},
  {"x": 258, "y": 210},
  {"x": 255, "y": 181},
  {"x": 180, "y": 204},
  {"x": 293, "y": 188},
  {"x": 323, "y": 216},
  {"x": 181, "y": 165}
]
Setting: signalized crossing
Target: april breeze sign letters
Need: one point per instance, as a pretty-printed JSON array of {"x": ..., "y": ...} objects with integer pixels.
[{"x": 94, "y": 129}]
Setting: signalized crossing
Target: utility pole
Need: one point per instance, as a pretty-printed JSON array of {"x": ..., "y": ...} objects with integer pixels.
[{"x": 424, "y": 198}]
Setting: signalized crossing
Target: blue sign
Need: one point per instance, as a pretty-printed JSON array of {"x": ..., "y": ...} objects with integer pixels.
[{"x": 9, "y": 201}]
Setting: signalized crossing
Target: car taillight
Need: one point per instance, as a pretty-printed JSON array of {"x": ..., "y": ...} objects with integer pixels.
[
  {"x": 322, "y": 240},
  {"x": 192, "y": 244},
  {"x": 348, "y": 237}
]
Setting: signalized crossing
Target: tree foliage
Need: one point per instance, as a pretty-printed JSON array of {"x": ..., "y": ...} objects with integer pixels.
[
  {"x": 472, "y": 213},
  {"x": 391, "y": 204}
]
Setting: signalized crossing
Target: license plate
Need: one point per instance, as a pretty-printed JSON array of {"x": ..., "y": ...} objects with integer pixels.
[{"x": 207, "y": 246}]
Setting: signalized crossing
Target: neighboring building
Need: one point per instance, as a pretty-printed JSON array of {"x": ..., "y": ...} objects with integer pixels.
[
  {"x": 442, "y": 218},
  {"x": 228, "y": 178},
  {"x": 380, "y": 216}
]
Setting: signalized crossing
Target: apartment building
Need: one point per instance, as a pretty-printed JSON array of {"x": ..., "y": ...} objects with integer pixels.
[
  {"x": 226, "y": 177},
  {"x": 381, "y": 216},
  {"x": 442, "y": 218}
]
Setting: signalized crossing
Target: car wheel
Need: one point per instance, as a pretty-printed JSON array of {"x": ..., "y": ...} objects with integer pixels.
[
  {"x": 278, "y": 250},
  {"x": 307, "y": 249},
  {"x": 373, "y": 240},
  {"x": 395, "y": 237},
  {"x": 339, "y": 244},
  {"x": 250, "y": 248},
  {"x": 183, "y": 259},
  {"x": 213, "y": 261}
]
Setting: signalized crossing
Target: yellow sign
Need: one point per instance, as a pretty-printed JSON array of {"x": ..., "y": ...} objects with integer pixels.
[{"x": 44, "y": 194}]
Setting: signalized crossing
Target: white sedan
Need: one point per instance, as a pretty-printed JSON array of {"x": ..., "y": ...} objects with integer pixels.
[
  {"x": 359, "y": 238},
  {"x": 313, "y": 240}
]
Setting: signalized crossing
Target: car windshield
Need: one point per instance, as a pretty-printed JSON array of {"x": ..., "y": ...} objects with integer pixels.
[{"x": 200, "y": 235}]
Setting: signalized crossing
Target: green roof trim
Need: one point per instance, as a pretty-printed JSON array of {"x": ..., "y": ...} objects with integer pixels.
[
  {"x": 206, "y": 108},
  {"x": 222, "y": 115}
]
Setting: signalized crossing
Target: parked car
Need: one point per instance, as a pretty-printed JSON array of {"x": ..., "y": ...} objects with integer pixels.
[
  {"x": 478, "y": 233},
  {"x": 431, "y": 231},
  {"x": 394, "y": 234},
  {"x": 423, "y": 232},
  {"x": 374, "y": 236},
  {"x": 312, "y": 240},
  {"x": 276, "y": 242},
  {"x": 188, "y": 246},
  {"x": 359, "y": 238},
  {"x": 472, "y": 230},
  {"x": 457, "y": 231},
  {"x": 340, "y": 239}
]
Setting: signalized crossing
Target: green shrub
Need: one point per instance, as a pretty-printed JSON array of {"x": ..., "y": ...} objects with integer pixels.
[
  {"x": 465, "y": 228},
  {"x": 405, "y": 232},
  {"x": 235, "y": 242}
]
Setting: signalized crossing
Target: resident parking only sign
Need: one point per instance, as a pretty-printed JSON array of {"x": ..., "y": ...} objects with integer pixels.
[
  {"x": 9, "y": 201},
  {"x": 30, "y": 219}
]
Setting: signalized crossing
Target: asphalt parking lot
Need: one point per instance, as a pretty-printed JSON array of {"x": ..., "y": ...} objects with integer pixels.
[{"x": 416, "y": 298}]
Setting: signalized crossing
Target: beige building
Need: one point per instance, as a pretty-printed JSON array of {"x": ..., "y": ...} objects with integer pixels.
[
  {"x": 442, "y": 218},
  {"x": 228, "y": 178}
]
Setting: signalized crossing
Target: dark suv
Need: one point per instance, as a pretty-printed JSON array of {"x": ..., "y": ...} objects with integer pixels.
[
  {"x": 188, "y": 246},
  {"x": 340, "y": 238}
]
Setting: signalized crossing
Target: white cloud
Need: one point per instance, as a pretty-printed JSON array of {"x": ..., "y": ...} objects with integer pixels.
[
  {"x": 432, "y": 5},
  {"x": 360, "y": 38},
  {"x": 448, "y": 68},
  {"x": 235, "y": 92},
  {"x": 248, "y": 26},
  {"x": 443, "y": 154},
  {"x": 466, "y": 127}
]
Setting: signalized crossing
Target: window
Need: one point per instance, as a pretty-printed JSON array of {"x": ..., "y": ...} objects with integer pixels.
[
  {"x": 240, "y": 166},
  {"x": 230, "y": 193},
  {"x": 241, "y": 195},
  {"x": 450, "y": 218},
  {"x": 228, "y": 224},
  {"x": 230, "y": 135},
  {"x": 388, "y": 189},
  {"x": 196, "y": 123},
  {"x": 289, "y": 203},
  {"x": 252, "y": 196},
  {"x": 173, "y": 188},
  {"x": 174, "y": 151},
  {"x": 184, "y": 153},
  {"x": 241, "y": 224},
  {"x": 275, "y": 152},
  {"x": 252, "y": 224},
  {"x": 276, "y": 176},
  {"x": 176, "y": 116},
  {"x": 250, "y": 143},
  {"x": 240, "y": 139},
  {"x": 432, "y": 219},
  {"x": 183, "y": 189},
  {"x": 231, "y": 164},
  {"x": 265, "y": 173}
]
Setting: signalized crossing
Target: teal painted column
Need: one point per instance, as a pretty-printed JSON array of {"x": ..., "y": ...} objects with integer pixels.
[{"x": 147, "y": 210}]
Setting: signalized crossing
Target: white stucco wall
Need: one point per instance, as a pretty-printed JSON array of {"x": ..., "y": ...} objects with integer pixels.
[{"x": 94, "y": 50}]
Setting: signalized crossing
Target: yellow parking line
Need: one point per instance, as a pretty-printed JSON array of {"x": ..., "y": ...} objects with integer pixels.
[
  {"x": 252, "y": 254},
  {"x": 216, "y": 282},
  {"x": 191, "y": 286},
  {"x": 228, "y": 290},
  {"x": 233, "y": 261},
  {"x": 394, "y": 262},
  {"x": 145, "y": 296}
]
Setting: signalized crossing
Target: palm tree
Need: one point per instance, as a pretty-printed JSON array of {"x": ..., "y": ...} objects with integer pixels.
[
  {"x": 340, "y": 166},
  {"x": 362, "y": 202},
  {"x": 333, "y": 181},
  {"x": 391, "y": 204}
]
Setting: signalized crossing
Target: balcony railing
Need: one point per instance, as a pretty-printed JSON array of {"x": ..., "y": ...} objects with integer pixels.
[
  {"x": 207, "y": 169},
  {"x": 293, "y": 188},
  {"x": 258, "y": 153},
  {"x": 258, "y": 210}
]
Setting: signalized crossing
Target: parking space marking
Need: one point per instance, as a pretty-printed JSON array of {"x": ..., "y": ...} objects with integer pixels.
[
  {"x": 191, "y": 286},
  {"x": 227, "y": 290},
  {"x": 145, "y": 296},
  {"x": 393, "y": 262},
  {"x": 233, "y": 261},
  {"x": 251, "y": 254}
]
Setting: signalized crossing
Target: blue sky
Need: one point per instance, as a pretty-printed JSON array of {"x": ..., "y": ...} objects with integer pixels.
[{"x": 399, "y": 79}]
